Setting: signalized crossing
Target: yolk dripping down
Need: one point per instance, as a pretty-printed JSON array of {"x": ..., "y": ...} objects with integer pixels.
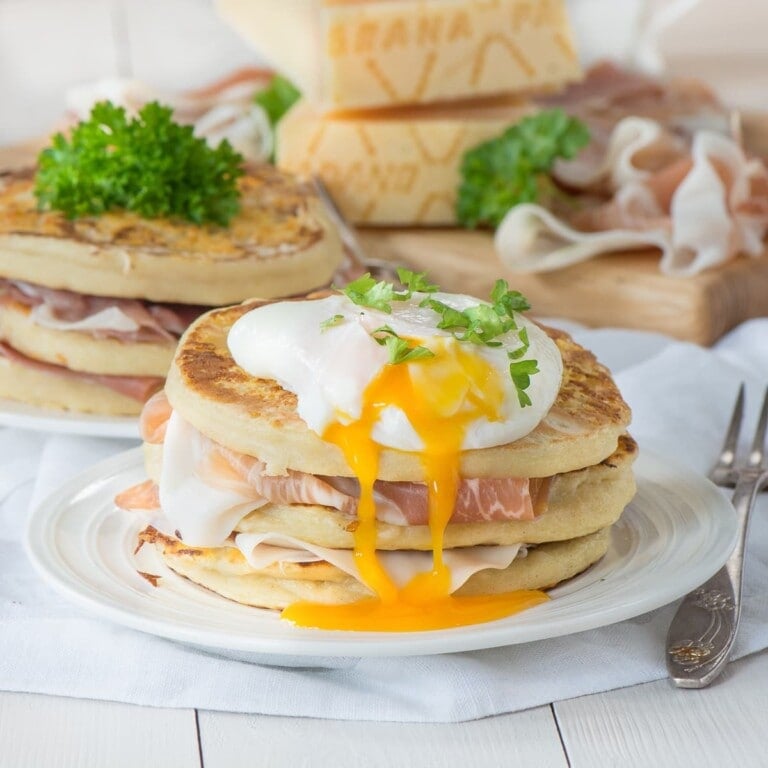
[{"x": 441, "y": 396}]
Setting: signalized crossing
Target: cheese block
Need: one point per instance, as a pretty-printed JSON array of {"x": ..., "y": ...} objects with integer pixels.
[
  {"x": 378, "y": 53},
  {"x": 395, "y": 166}
]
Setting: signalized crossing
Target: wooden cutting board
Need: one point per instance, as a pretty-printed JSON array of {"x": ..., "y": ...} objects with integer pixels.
[{"x": 625, "y": 289}]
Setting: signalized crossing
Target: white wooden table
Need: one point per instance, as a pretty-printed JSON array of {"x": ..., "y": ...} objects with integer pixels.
[
  {"x": 646, "y": 725},
  {"x": 48, "y": 45}
]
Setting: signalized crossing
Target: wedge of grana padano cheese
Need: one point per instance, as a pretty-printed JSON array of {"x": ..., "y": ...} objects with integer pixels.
[
  {"x": 397, "y": 166},
  {"x": 377, "y": 53}
]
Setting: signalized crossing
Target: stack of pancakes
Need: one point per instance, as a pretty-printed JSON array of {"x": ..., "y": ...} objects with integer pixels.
[
  {"x": 91, "y": 309},
  {"x": 580, "y": 455}
]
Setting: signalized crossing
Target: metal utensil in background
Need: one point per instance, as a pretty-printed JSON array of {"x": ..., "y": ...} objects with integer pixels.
[
  {"x": 703, "y": 631},
  {"x": 380, "y": 269}
]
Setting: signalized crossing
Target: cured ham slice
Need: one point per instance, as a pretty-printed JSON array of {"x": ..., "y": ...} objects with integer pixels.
[
  {"x": 608, "y": 93},
  {"x": 128, "y": 320},
  {"x": 715, "y": 214},
  {"x": 264, "y": 549},
  {"x": 248, "y": 475},
  {"x": 138, "y": 388},
  {"x": 477, "y": 500},
  {"x": 531, "y": 239},
  {"x": 635, "y": 149},
  {"x": 397, "y": 503},
  {"x": 701, "y": 208},
  {"x": 143, "y": 497},
  {"x": 153, "y": 421}
]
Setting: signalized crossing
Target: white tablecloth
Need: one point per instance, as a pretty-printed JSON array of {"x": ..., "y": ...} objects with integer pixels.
[{"x": 681, "y": 397}]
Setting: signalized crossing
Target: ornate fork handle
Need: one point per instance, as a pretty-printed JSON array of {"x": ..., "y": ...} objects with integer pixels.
[{"x": 703, "y": 631}]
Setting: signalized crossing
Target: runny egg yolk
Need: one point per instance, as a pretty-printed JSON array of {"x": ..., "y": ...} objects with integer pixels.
[{"x": 441, "y": 396}]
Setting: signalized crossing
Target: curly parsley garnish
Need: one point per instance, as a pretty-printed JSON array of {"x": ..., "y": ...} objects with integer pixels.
[
  {"x": 514, "y": 168},
  {"x": 148, "y": 164},
  {"x": 400, "y": 350},
  {"x": 481, "y": 324},
  {"x": 366, "y": 291}
]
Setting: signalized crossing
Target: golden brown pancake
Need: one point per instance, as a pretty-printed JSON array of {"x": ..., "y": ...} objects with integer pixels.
[
  {"x": 281, "y": 243},
  {"x": 259, "y": 418},
  {"x": 81, "y": 351},
  {"x": 48, "y": 390},
  {"x": 225, "y": 571},
  {"x": 580, "y": 449}
]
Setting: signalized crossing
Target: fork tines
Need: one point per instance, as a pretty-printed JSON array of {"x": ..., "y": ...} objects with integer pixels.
[{"x": 723, "y": 472}]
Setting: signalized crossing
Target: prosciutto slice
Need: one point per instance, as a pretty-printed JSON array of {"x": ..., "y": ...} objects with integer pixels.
[
  {"x": 609, "y": 93},
  {"x": 143, "y": 497},
  {"x": 128, "y": 320},
  {"x": 397, "y": 503},
  {"x": 153, "y": 422},
  {"x": 636, "y": 148},
  {"x": 700, "y": 207},
  {"x": 247, "y": 475},
  {"x": 138, "y": 388},
  {"x": 477, "y": 500}
]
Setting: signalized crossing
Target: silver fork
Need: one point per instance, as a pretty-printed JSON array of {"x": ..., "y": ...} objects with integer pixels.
[
  {"x": 703, "y": 631},
  {"x": 380, "y": 269}
]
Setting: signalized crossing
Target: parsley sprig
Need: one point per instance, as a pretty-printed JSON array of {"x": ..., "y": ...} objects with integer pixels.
[
  {"x": 148, "y": 164},
  {"x": 277, "y": 98},
  {"x": 513, "y": 168},
  {"x": 484, "y": 323},
  {"x": 331, "y": 322},
  {"x": 400, "y": 350},
  {"x": 480, "y": 324},
  {"x": 366, "y": 291}
]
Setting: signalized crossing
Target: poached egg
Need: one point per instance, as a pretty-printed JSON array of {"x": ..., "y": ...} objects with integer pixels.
[{"x": 459, "y": 398}]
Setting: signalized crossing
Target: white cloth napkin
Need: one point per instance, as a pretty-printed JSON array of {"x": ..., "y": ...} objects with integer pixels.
[{"x": 681, "y": 395}]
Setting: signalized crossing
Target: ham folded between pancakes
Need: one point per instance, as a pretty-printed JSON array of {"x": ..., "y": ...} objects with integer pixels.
[{"x": 397, "y": 503}]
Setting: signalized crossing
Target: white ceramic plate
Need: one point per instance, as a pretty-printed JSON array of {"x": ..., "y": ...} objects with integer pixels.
[
  {"x": 676, "y": 533},
  {"x": 13, "y": 414}
]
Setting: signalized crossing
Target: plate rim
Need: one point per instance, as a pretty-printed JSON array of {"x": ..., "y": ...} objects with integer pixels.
[
  {"x": 15, "y": 414},
  {"x": 340, "y": 643}
]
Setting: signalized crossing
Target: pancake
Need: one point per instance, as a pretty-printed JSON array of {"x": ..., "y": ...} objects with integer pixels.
[
  {"x": 59, "y": 390},
  {"x": 82, "y": 351},
  {"x": 281, "y": 243},
  {"x": 257, "y": 492},
  {"x": 225, "y": 571},
  {"x": 257, "y": 417}
]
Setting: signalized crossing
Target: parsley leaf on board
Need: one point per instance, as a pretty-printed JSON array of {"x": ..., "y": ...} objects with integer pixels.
[
  {"x": 277, "y": 98},
  {"x": 148, "y": 164},
  {"x": 513, "y": 168}
]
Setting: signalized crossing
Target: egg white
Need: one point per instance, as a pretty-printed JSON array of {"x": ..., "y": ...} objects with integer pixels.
[{"x": 329, "y": 368}]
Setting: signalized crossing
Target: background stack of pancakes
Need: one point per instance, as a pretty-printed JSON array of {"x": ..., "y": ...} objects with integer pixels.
[
  {"x": 145, "y": 279},
  {"x": 580, "y": 453}
]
